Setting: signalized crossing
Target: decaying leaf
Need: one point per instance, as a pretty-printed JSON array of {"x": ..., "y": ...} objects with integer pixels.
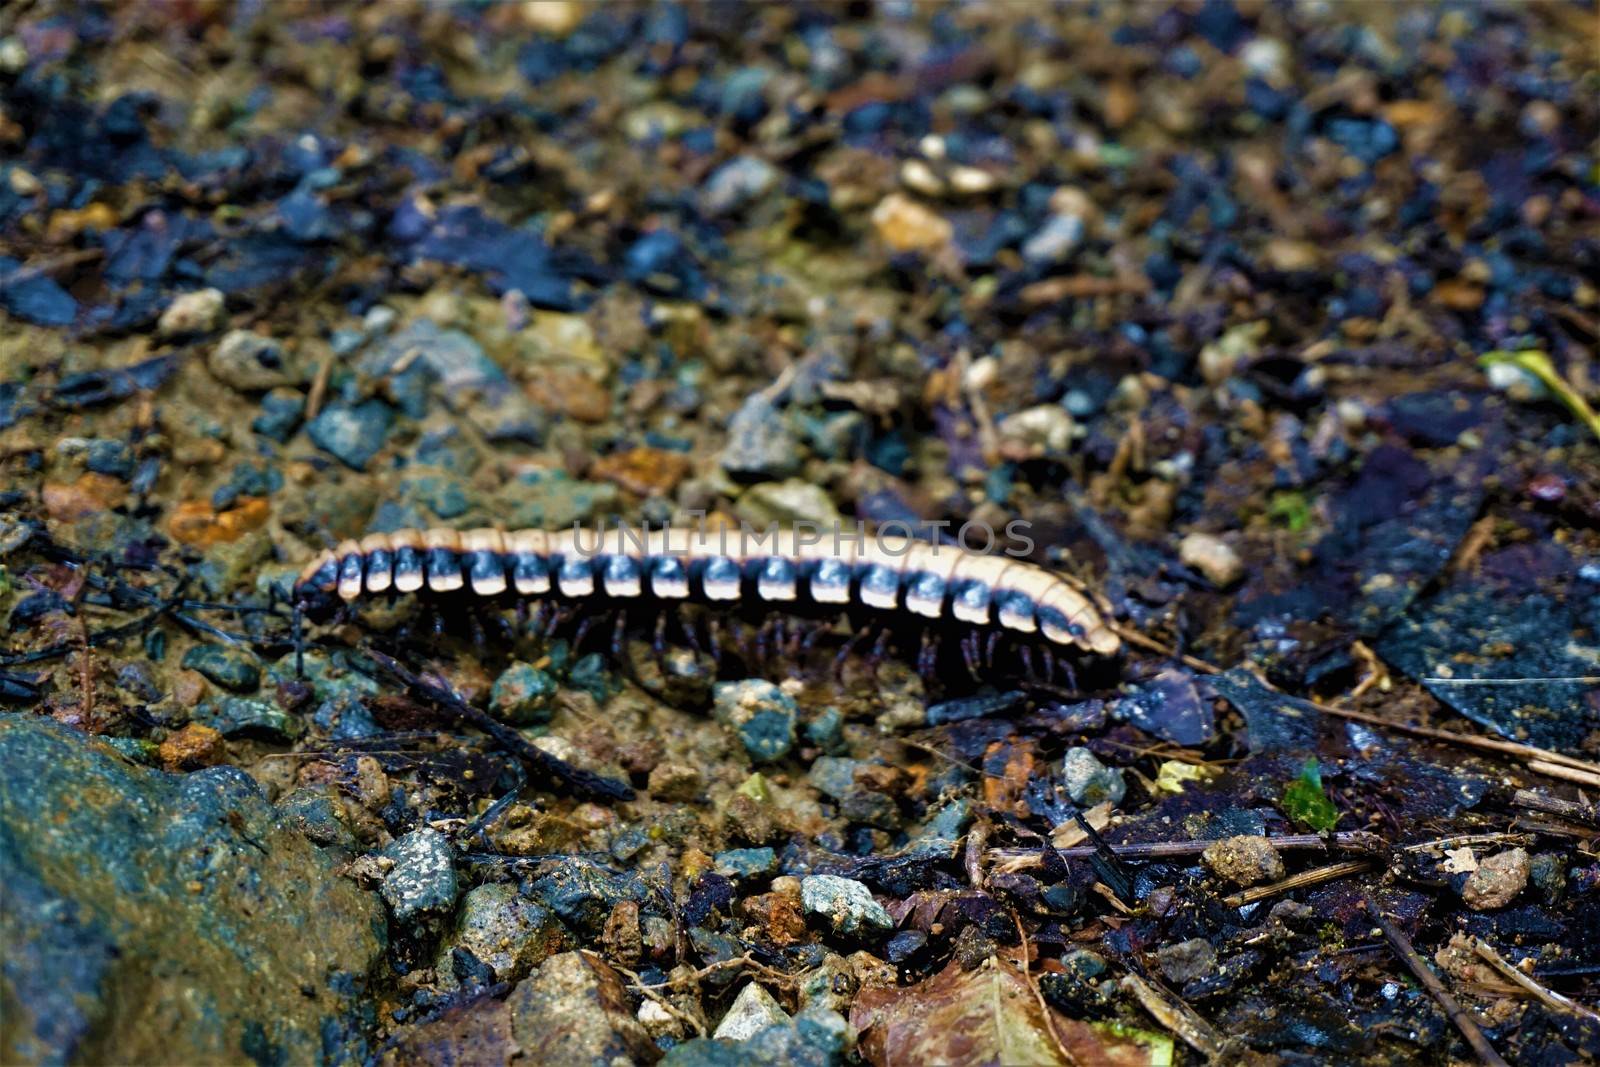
[{"x": 990, "y": 1015}]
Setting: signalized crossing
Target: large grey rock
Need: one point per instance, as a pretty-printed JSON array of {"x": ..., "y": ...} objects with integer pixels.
[{"x": 158, "y": 918}]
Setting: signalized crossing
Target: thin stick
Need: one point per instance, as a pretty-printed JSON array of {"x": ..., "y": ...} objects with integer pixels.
[
  {"x": 1567, "y": 809},
  {"x": 1549, "y": 997},
  {"x": 1539, "y": 759},
  {"x": 1353, "y": 840},
  {"x": 1175, "y": 1015},
  {"x": 1038, "y": 994},
  {"x": 665, "y": 1004},
  {"x": 1344, "y": 840},
  {"x": 1150, "y": 644},
  {"x": 1489, "y": 744},
  {"x": 1430, "y": 981},
  {"x": 1316, "y": 876},
  {"x": 1565, "y": 773}
]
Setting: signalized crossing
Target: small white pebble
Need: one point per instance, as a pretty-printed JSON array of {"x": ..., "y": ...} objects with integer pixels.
[{"x": 1212, "y": 557}]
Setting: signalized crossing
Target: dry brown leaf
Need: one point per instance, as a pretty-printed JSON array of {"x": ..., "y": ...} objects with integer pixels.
[{"x": 990, "y": 1015}]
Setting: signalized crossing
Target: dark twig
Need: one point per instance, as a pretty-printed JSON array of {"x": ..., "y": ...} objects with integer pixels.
[
  {"x": 582, "y": 782},
  {"x": 492, "y": 813},
  {"x": 1105, "y": 862},
  {"x": 1566, "y": 809},
  {"x": 1430, "y": 981},
  {"x": 1345, "y": 840}
]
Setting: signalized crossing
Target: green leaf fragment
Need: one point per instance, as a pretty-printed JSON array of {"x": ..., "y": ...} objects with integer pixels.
[
  {"x": 1306, "y": 803},
  {"x": 1539, "y": 366}
]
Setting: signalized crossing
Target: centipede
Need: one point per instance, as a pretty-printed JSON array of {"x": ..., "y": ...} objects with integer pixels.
[{"x": 931, "y": 586}]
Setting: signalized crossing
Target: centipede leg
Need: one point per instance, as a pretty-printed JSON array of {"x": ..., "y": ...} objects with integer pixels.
[
  {"x": 880, "y": 650},
  {"x": 780, "y": 635},
  {"x": 989, "y": 649},
  {"x": 969, "y": 653},
  {"x": 763, "y": 645},
  {"x": 558, "y": 616},
  {"x": 1049, "y": 665},
  {"x": 1027, "y": 663},
  {"x": 813, "y": 635},
  {"x": 584, "y": 626},
  {"x": 619, "y": 634},
  {"x": 714, "y": 631},
  {"x": 927, "y": 656},
  {"x": 844, "y": 653},
  {"x": 658, "y": 641},
  {"x": 691, "y": 635}
]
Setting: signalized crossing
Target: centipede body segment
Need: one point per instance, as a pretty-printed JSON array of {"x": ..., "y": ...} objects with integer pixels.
[{"x": 885, "y": 574}]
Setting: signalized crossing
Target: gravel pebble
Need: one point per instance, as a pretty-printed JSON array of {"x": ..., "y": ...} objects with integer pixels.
[
  {"x": 752, "y": 1011},
  {"x": 1244, "y": 860},
  {"x": 1212, "y": 557},
  {"x": 1088, "y": 781},
  {"x": 1498, "y": 879},
  {"x": 845, "y": 903},
  {"x": 422, "y": 884},
  {"x": 248, "y": 362},
  {"x": 198, "y": 312}
]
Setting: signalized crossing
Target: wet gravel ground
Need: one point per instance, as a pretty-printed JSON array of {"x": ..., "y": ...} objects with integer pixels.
[{"x": 1275, "y": 326}]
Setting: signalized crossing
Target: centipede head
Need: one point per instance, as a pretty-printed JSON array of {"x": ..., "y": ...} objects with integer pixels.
[{"x": 314, "y": 599}]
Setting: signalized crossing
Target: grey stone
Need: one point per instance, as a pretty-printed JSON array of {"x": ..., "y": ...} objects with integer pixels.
[
  {"x": 574, "y": 1009},
  {"x": 787, "y": 502},
  {"x": 230, "y": 667},
  {"x": 1187, "y": 960},
  {"x": 315, "y": 811},
  {"x": 752, "y": 1011},
  {"x": 760, "y": 442},
  {"x": 738, "y": 183},
  {"x": 523, "y": 694},
  {"x": 846, "y": 904},
  {"x": 1090, "y": 782},
  {"x": 762, "y": 714},
  {"x": 248, "y": 362},
  {"x": 422, "y": 884},
  {"x": 247, "y": 717},
  {"x": 457, "y": 369},
  {"x": 745, "y": 862},
  {"x": 505, "y": 930},
  {"x": 1055, "y": 240},
  {"x": 352, "y": 434}
]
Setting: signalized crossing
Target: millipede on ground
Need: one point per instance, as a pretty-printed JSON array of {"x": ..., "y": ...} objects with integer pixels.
[{"x": 936, "y": 590}]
